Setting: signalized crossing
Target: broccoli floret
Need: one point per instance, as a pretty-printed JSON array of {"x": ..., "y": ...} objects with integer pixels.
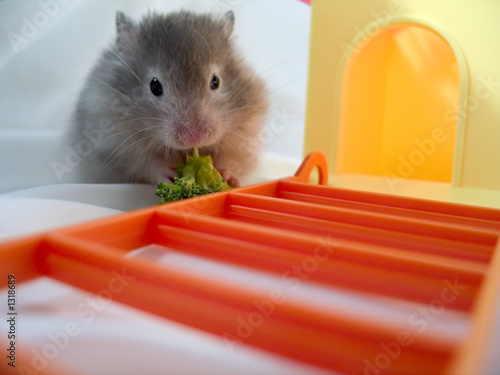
[
  {"x": 168, "y": 193},
  {"x": 197, "y": 176}
]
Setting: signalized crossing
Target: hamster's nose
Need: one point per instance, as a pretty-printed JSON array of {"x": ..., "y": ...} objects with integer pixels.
[
  {"x": 191, "y": 134},
  {"x": 194, "y": 138}
]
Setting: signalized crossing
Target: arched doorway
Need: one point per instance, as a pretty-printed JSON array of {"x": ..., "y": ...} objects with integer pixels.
[{"x": 398, "y": 88}]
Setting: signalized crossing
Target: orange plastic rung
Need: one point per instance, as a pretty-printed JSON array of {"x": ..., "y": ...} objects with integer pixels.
[
  {"x": 361, "y": 234},
  {"x": 354, "y": 216},
  {"x": 410, "y": 203},
  {"x": 482, "y": 217}
]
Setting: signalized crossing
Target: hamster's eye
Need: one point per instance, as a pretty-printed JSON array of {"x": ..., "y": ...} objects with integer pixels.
[
  {"x": 215, "y": 82},
  {"x": 155, "y": 87}
]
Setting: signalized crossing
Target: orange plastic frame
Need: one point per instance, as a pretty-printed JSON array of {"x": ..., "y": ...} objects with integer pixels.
[{"x": 397, "y": 247}]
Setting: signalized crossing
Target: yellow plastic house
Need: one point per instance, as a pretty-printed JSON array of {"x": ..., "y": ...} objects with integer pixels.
[{"x": 404, "y": 96}]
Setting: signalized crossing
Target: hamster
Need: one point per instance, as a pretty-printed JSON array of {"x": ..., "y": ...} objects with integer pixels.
[{"x": 167, "y": 84}]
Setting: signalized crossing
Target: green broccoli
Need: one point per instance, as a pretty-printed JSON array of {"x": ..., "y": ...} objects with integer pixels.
[{"x": 197, "y": 176}]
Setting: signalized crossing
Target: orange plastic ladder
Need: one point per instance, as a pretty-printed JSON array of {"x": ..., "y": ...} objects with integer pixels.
[{"x": 397, "y": 249}]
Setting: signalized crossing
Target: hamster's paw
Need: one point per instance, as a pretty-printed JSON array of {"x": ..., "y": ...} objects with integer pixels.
[
  {"x": 167, "y": 175},
  {"x": 230, "y": 179}
]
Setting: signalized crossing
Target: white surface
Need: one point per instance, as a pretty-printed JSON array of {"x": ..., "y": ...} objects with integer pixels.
[
  {"x": 43, "y": 214},
  {"x": 122, "y": 197},
  {"x": 48, "y": 207}
]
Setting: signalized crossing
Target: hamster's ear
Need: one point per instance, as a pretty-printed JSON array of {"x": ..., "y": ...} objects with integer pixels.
[
  {"x": 125, "y": 30},
  {"x": 228, "y": 22}
]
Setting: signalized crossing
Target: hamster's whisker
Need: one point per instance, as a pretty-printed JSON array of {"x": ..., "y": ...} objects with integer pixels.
[
  {"x": 239, "y": 90},
  {"x": 244, "y": 107},
  {"x": 286, "y": 84},
  {"x": 268, "y": 91},
  {"x": 236, "y": 133},
  {"x": 112, "y": 88},
  {"x": 267, "y": 70},
  {"x": 137, "y": 143},
  {"x": 116, "y": 134},
  {"x": 141, "y": 160},
  {"x": 281, "y": 63},
  {"x": 132, "y": 148},
  {"x": 115, "y": 152}
]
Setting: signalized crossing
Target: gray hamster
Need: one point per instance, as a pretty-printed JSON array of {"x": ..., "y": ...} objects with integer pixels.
[{"x": 167, "y": 84}]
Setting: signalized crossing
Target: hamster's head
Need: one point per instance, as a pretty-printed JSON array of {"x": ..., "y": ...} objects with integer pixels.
[{"x": 188, "y": 86}]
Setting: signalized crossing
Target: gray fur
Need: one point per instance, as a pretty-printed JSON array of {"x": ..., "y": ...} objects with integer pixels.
[{"x": 139, "y": 137}]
